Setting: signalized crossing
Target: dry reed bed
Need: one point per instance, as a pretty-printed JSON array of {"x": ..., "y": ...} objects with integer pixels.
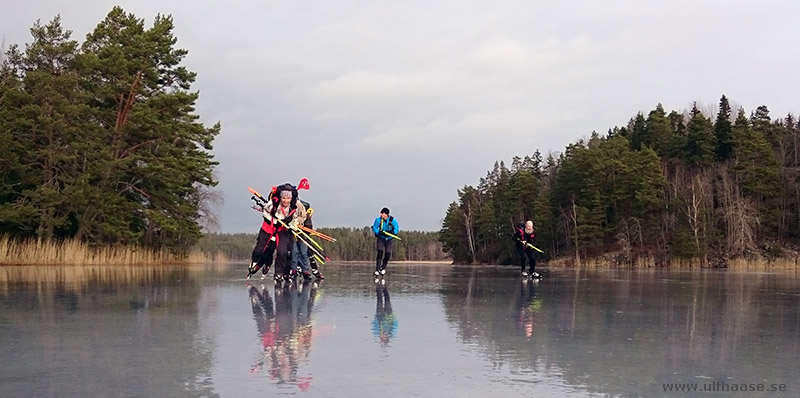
[{"x": 71, "y": 252}]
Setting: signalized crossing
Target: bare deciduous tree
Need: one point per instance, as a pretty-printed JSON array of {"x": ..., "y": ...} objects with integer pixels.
[
  {"x": 697, "y": 204},
  {"x": 739, "y": 215}
]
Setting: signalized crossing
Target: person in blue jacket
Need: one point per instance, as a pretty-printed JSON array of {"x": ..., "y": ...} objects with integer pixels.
[{"x": 384, "y": 224}]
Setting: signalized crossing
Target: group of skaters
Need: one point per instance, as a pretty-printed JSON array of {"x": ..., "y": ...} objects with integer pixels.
[
  {"x": 279, "y": 239},
  {"x": 284, "y": 214}
]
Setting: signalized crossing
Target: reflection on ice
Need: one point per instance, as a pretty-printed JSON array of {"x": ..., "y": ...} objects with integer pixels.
[
  {"x": 285, "y": 331},
  {"x": 467, "y": 331},
  {"x": 384, "y": 326}
]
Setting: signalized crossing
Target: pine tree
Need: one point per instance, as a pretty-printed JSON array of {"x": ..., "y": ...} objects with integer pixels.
[
  {"x": 152, "y": 156},
  {"x": 723, "y": 130},
  {"x": 45, "y": 117},
  {"x": 755, "y": 165},
  {"x": 761, "y": 122},
  {"x": 700, "y": 141},
  {"x": 677, "y": 141},
  {"x": 658, "y": 130},
  {"x": 638, "y": 132}
]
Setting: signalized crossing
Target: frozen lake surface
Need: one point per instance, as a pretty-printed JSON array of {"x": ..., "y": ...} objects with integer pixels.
[{"x": 431, "y": 330}]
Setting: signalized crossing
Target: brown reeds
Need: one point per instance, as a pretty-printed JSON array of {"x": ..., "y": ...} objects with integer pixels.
[{"x": 72, "y": 252}]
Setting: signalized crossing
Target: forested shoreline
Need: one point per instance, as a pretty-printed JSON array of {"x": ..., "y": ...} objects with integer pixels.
[{"x": 664, "y": 189}]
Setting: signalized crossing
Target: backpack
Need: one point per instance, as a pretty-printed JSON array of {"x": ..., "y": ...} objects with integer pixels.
[{"x": 390, "y": 224}]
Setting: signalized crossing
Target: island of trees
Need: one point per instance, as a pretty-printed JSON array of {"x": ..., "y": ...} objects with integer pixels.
[{"x": 99, "y": 142}]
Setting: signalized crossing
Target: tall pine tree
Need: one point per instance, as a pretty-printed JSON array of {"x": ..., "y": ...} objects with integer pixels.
[
  {"x": 722, "y": 130},
  {"x": 700, "y": 141},
  {"x": 153, "y": 156}
]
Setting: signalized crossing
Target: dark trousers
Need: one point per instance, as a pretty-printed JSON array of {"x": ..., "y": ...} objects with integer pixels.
[
  {"x": 384, "y": 247},
  {"x": 283, "y": 260},
  {"x": 262, "y": 252},
  {"x": 526, "y": 253}
]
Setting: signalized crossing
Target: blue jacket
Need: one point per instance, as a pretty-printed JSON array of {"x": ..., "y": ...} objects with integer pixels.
[{"x": 390, "y": 226}]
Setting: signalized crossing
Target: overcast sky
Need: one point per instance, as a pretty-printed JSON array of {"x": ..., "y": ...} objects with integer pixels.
[{"x": 401, "y": 103}]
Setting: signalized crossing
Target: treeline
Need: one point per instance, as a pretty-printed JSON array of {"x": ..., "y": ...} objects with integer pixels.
[
  {"x": 99, "y": 140},
  {"x": 664, "y": 187},
  {"x": 352, "y": 244},
  {"x": 230, "y": 246}
]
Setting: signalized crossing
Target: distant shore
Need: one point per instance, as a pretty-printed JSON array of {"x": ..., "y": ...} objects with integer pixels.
[{"x": 67, "y": 253}]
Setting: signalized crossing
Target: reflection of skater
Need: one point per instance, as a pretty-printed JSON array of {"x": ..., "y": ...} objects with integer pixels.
[
  {"x": 384, "y": 326},
  {"x": 285, "y": 331},
  {"x": 528, "y": 305},
  {"x": 263, "y": 309},
  {"x": 264, "y": 315},
  {"x": 384, "y": 227}
]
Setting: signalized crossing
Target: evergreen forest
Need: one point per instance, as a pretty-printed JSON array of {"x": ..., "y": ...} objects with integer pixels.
[{"x": 704, "y": 187}]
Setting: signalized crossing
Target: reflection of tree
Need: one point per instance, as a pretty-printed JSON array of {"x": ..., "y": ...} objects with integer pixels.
[
  {"x": 626, "y": 333},
  {"x": 78, "y": 276},
  {"x": 109, "y": 331},
  {"x": 384, "y": 326},
  {"x": 285, "y": 331}
]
